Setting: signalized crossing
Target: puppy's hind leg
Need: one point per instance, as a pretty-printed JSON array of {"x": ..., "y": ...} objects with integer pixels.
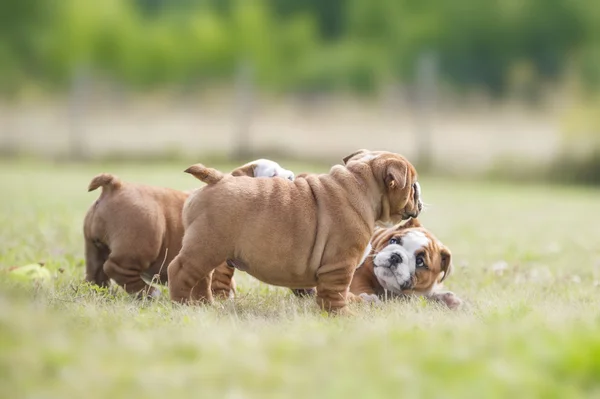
[
  {"x": 127, "y": 272},
  {"x": 190, "y": 274},
  {"x": 96, "y": 255}
]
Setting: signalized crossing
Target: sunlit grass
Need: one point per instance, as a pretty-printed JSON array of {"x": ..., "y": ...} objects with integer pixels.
[{"x": 530, "y": 327}]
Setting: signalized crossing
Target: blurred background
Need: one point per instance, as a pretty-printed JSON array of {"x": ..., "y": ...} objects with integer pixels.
[{"x": 464, "y": 87}]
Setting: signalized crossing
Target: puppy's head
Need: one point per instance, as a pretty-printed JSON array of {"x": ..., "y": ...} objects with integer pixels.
[
  {"x": 409, "y": 259},
  {"x": 263, "y": 168},
  {"x": 398, "y": 179}
]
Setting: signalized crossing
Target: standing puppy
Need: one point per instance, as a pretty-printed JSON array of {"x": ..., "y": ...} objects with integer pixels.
[
  {"x": 309, "y": 232},
  {"x": 134, "y": 230}
]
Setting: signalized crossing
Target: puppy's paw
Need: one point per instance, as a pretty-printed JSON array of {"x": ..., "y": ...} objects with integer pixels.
[
  {"x": 370, "y": 298},
  {"x": 448, "y": 298}
]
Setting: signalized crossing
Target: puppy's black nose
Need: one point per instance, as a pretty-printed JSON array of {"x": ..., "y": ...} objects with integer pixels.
[{"x": 395, "y": 259}]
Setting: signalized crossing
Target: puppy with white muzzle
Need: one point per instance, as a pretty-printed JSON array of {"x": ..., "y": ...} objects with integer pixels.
[
  {"x": 405, "y": 260},
  {"x": 394, "y": 267}
]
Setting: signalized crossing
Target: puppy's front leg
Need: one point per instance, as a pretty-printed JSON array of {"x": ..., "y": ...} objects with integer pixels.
[{"x": 333, "y": 283}]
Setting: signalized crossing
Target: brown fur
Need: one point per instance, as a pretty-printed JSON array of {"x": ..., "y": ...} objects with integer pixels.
[
  {"x": 305, "y": 233},
  {"x": 134, "y": 230}
]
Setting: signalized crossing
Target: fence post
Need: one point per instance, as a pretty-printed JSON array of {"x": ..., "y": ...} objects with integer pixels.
[
  {"x": 78, "y": 96},
  {"x": 8, "y": 134},
  {"x": 426, "y": 92},
  {"x": 244, "y": 95}
]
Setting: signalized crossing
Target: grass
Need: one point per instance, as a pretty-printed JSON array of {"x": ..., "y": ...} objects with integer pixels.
[{"x": 531, "y": 327}]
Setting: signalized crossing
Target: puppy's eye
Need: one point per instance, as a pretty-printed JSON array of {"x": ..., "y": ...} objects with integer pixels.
[
  {"x": 394, "y": 241},
  {"x": 420, "y": 261}
]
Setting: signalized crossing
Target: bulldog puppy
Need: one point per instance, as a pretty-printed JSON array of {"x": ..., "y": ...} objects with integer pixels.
[
  {"x": 405, "y": 260},
  {"x": 133, "y": 231},
  {"x": 303, "y": 233}
]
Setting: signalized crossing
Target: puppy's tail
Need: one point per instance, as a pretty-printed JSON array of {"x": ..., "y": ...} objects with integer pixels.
[
  {"x": 106, "y": 181},
  {"x": 207, "y": 175}
]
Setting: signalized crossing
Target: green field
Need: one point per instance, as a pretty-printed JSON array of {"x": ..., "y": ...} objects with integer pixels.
[{"x": 530, "y": 329}]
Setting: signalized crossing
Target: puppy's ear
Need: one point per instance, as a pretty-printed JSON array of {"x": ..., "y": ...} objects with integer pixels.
[
  {"x": 396, "y": 174},
  {"x": 246, "y": 170},
  {"x": 347, "y": 158},
  {"x": 446, "y": 263}
]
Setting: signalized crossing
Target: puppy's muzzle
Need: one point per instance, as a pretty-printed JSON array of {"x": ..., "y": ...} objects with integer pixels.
[
  {"x": 395, "y": 259},
  {"x": 408, "y": 285}
]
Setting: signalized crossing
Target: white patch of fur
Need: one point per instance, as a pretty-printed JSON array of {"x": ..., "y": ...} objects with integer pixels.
[
  {"x": 419, "y": 195},
  {"x": 418, "y": 189},
  {"x": 414, "y": 241},
  {"x": 367, "y": 157},
  {"x": 365, "y": 254},
  {"x": 268, "y": 168}
]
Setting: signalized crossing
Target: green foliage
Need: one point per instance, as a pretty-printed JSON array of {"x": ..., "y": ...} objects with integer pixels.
[{"x": 325, "y": 45}]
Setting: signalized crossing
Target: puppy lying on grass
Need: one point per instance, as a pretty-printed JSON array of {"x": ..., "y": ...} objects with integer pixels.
[
  {"x": 405, "y": 260},
  {"x": 133, "y": 231}
]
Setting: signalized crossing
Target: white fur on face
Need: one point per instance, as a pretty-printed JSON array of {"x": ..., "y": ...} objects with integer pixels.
[
  {"x": 414, "y": 241},
  {"x": 268, "y": 168},
  {"x": 395, "y": 276},
  {"x": 418, "y": 195}
]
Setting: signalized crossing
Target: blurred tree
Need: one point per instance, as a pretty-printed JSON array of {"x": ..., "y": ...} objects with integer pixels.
[
  {"x": 328, "y": 14},
  {"x": 22, "y": 24},
  {"x": 309, "y": 45}
]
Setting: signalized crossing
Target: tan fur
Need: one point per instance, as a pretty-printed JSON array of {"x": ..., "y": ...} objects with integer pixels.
[
  {"x": 305, "y": 233},
  {"x": 212, "y": 176},
  {"x": 106, "y": 181},
  {"x": 426, "y": 282},
  {"x": 134, "y": 230},
  {"x": 130, "y": 231}
]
